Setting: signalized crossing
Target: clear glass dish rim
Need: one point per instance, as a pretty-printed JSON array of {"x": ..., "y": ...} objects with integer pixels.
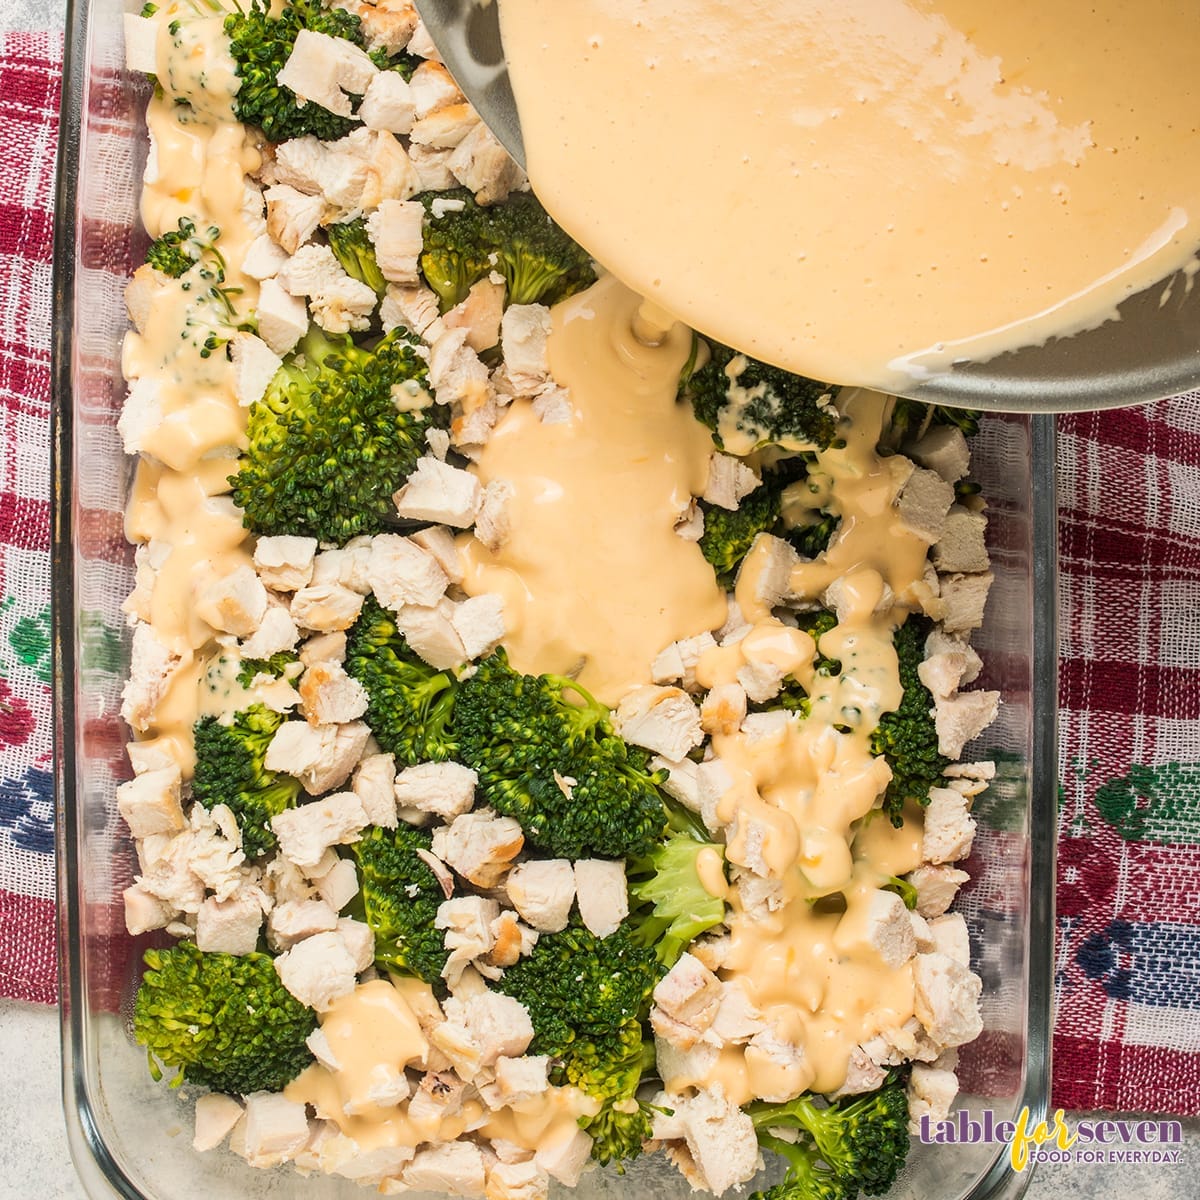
[{"x": 101, "y": 1175}]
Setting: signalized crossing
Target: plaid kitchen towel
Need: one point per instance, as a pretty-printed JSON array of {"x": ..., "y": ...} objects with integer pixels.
[{"x": 1128, "y": 983}]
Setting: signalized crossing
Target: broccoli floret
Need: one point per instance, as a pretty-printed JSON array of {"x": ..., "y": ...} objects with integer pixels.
[
  {"x": 806, "y": 1178},
  {"x": 905, "y": 890},
  {"x": 539, "y": 262},
  {"x": 587, "y": 998},
  {"x": 410, "y": 706},
  {"x": 177, "y": 251},
  {"x": 398, "y": 898},
  {"x": 670, "y": 905},
  {"x": 910, "y": 419},
  {"x": 749, "y": 404},
  {"x": 275, "y": 666},
  {"x": 224, "y": 1020},
  {"x": 547, "y": 755},
  {"x": 862, "y": 1140},
  {"x": 261, "y": 45},
  {"x": 908, "y": 738},
  {"x": 729, "y": 534},
  {"x": 328, "y": 446},
  {"x": 230, "y": 770},
  {"x": 353, "y": 248}
]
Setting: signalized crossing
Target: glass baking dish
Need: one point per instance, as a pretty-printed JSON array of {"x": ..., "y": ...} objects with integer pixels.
[{"x": 130, "y": 1137}]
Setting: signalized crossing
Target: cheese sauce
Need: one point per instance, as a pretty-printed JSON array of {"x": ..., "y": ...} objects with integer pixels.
[
  {"x": 865, "y": 191},
  {"x": 595, "y": 579}
]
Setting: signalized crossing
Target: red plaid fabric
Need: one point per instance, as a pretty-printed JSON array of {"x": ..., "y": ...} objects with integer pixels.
[{"x": 1128, "y": 1028}]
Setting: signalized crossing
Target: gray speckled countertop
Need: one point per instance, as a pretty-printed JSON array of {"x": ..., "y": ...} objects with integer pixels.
[{"x": 35, "y": 1163}]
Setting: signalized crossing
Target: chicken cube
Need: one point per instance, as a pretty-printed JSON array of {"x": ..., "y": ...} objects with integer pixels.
[
  {"x": 230, "y": 926},
  {"x": 662, "y": 719},
  {"x": 467, "y": 921},
  {"x": 292, "y": 219},
  {"x": 962, "y": 546},
  {"x": 729, "y": 481},
  {"x": 482, "y": 165},
  {"x": 327, "y": 71},
  {"x": 388, "y": 104},
  {"x": 602, "y": 895},
  {"x": 401, "y": 573},
  {"x": 936, "y": 888},
  {"x": 431, "y": 633},
  {"x": 141, "y": 44},
  {"x": 769, "y": 566},
  {"x": 492, "y": 524},
  {"x": 445, "y": 789},
  {"x": 339, "y": 303},
  {"x": 330, "y": 696},
  {"x": 438, "y": 492},
  {"x": 374, "y": 785},
  {"x": 946, "y": 999},
  {"x": 480, "y": 846},
  {"x": 320, "y": 756},
  {"x": 145, "y": 911},
  {"x": 254, "y": 366},
  {"x": 519, "y": 1079},
  {"x": 689, "y": 992},
  {"x": 215, "y": 1117},
  {"x": 949, "y": 827},
  {"x": 863, "y": 1074},
  {"x": 359, "y": 940},
  {"x": 964, "y": 598},
  {"x": 282, "y": 318},
  {"x": 305, "y": 833},
  {"x": 479, "y": 623},
  {"x": 451, "y": 1168},
  {"x": 737, "y": 1018},
  {"x": 276, "y": 1129},
  {"x": 285, "y": 562},
  {"x": 542, "y": 891},
  {"x": 318, "y": 970},
  {"x": 723, "y": 709},
  {"x": 721, "y": 1143},
  {"x": 265, "y": 256},
  {"x": 563, "y": 1154},
  {"x": 415, "y": 308},
  {"x": 395, "y": 231},
  {"x": 339, "y": 885},
  {"x": 276, "y": 634},
  {"x": 150, "y": 803},
  {"x": 235, "y": 603},
  {"x": 960, "y": 718},
  {"x": 518, "y": 1181},
  {"x": 326, "y": 607},
  {"x": 923, "y": 503},
  {"x": 951, "y": 938},
  {"x": 295, "y": 920},
  {"x": 931, "y": 1090},
  {"x": 943, "y": 449},
  {"x": 524, "y": 337},
  {"x": 881, "y": 924},
  {"x": 479, "y": 315},
  {"x": 678, "y": 662}
]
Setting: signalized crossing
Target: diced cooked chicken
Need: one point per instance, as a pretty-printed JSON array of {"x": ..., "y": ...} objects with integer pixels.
[
  {"x": 235, "y": 603},
  {"x": 215, "y": 1117},
  {"x": 395, "y": 230},
  {"x": 760, "y": 681},
  {"x": 518, "y": 1181},
  {"x": 327, "y": 71},
  {"x": 564, "y": 1154},
  {"x": 524, "y": 334},
  {"x": 451, "y": 1168},
  {"x": 729, "y": 480},
  {"x": 931, "y": 1090},
  {"x": 542, "y": 891},
  {"x": 678, "y": 662},
  {"x": 514, "y": 940},
  {"x": 481, "y": 164},
  {"x": 305, "y": 833},
  {"x": 723, "y": 709},
  {"x": 467, "y": 921},
  {"x": 492, "y": 523},
  {"x": 720, "y": 1148},
  {"x": 265, "y": 256},
  {"x": 456, "y": 373},
  {"x": 479, "y": 314},
  {"x": 922, "y": 933},
  {"x": 141, "y": 40},
  {"x": 770, "y": 1051},
  {"x": 445, "y": 789},
  {"x": 151, "y": 666},
  {"x": 330, "y": 696},
  {"x": 946, "y": 999},
  {"x": 769, "y": 566},
  {"x": 388, "y": 104},
  {"x": 479, "y": 623},
  {"x": 480, "y": 846},
  {"x": 374, "y": 785},
  {"x": 943, "y": 449},
  {"x": 964, "y": 598},
  {"x": 284, "y": 562},
  {"x": 863, "y": 1074},
  {"x": 936, "y": 888},
  {"x": 962, "y": 546},
  {"x": 326, "y": 607},
  {"x": 359, "y": 940},
  {"x": 324, "y": 647},
  {"x": 519, "y": 1079},
  {"x": 923, "y": 503},
  {"x": 415, "y": 308},
  {"x": 276, "y": 1129},
  {"x": 320, "y": 756},
  {"x": 388, "y": 25},
  {"x": 275, "y": 634},
  {"x": 401, "y": 573},
  {"x": 438, "y": 492},
  {"x": 949, "y": 827},
  {"x": 430, "y": 633},
  {"x": 295, "y": 920},
  {"x": 282, "y": 318},
  {"x": 145, "y": 911},
  {"x": 942, "y": 672},
  {"x": 482, "y": 1028},
  {"x": 951, "y": 938},
  {"x": 552, "y": 405},
  {"x": 230, "y": 926},
  {"x": 292, "y": 217},
  {"x": 434, "y": 89},
  {"x": 445, "y": 129},
  {"x": 758, "y": 895},
  {"x": 684, "y": 1067},
  {"x": 737, "y": 1019},
  {"x": 689, "y": 993},
  {"x": 318, "y": 970},
  {"x": 338, "y": 302},
  {"x": 881, "y": 924},
  {"x": 348, "y": 566},
  {"x": 150, "y": 803},
  {"x": 339, "y": 885},
  {"x": 432, "y": 168},
  {"x": 960, "y": 718},
  {"x": 662, "y": 719},
  {"x": 144, "y": 290},
  {"x": 601, "y": 893}
]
